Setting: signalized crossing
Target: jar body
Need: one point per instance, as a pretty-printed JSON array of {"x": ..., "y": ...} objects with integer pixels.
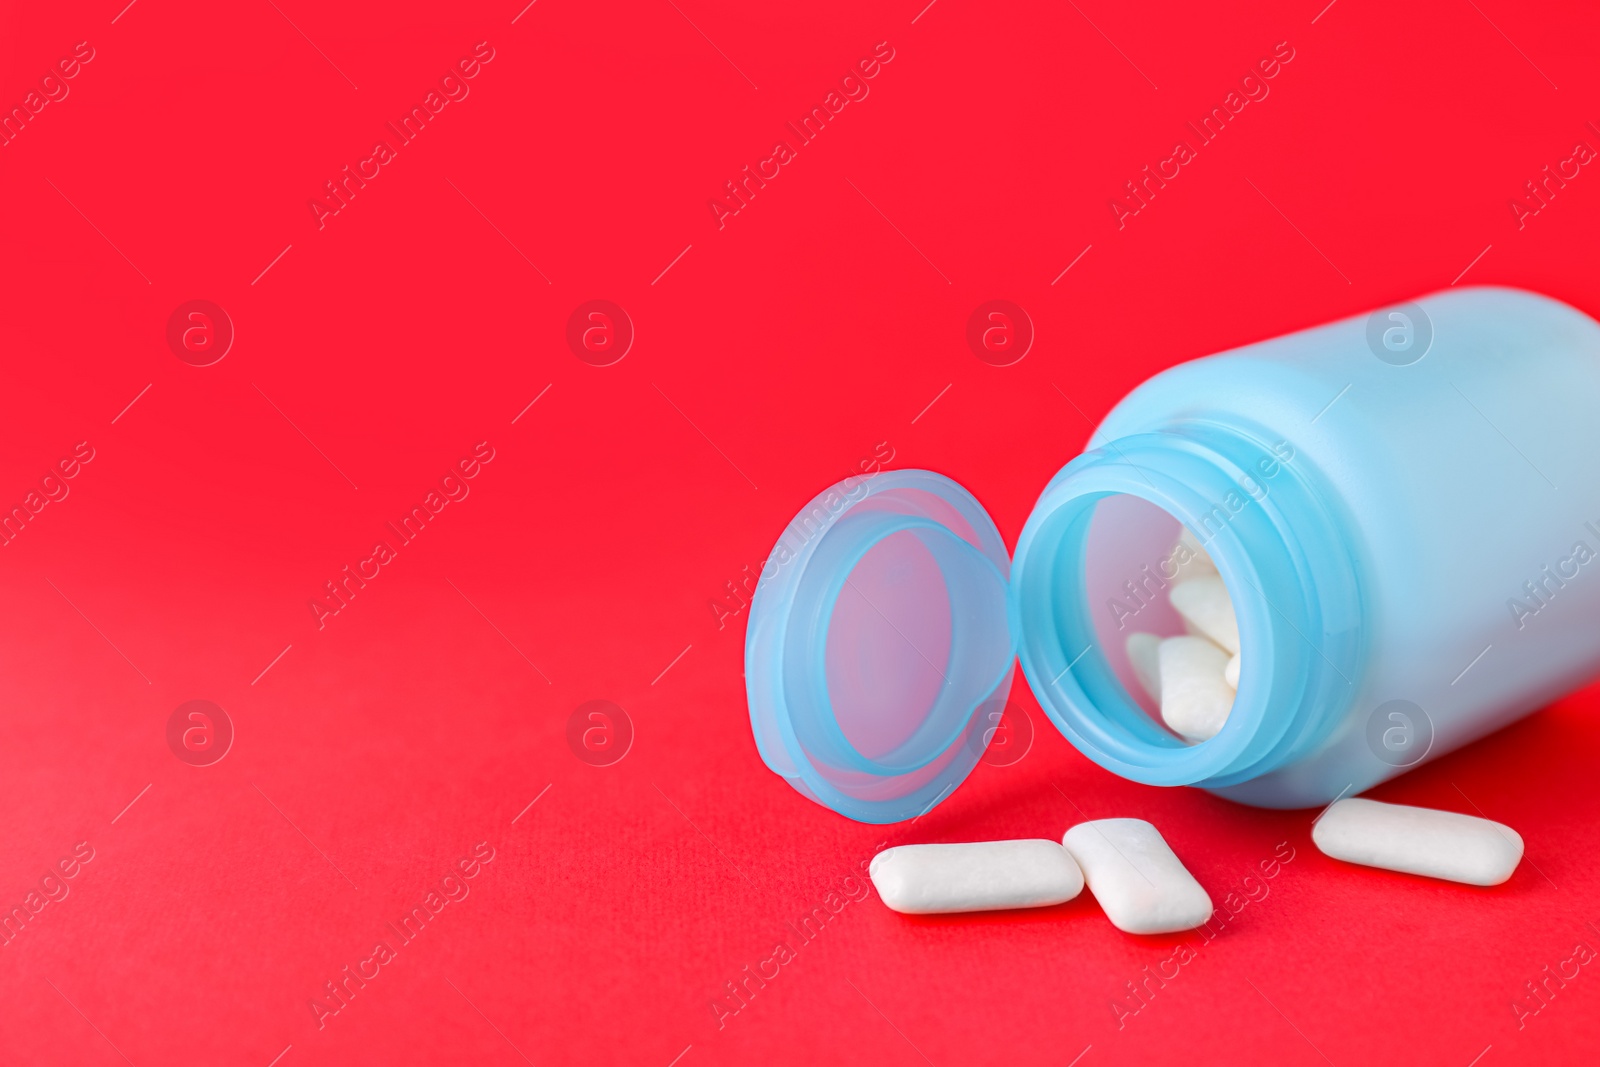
[{"x": 1464, "y": 483}]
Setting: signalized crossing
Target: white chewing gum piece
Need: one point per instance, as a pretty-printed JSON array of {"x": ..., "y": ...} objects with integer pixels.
[
  {"x": 1231, "y": 671},
  {"x": 1204, "y": 603},
  {"x": 1198, "y": 562},
  {"x": 1142, "y": 886},
  {"x": 1195, "y": 697},
  {"x": 1145, "y": 658},
  {"x": 978, "y": 876},
  {"x": 1434, "y": 844}
]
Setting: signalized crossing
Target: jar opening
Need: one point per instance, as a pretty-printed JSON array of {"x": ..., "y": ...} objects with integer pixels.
[{"x": 1197, "y": 475}]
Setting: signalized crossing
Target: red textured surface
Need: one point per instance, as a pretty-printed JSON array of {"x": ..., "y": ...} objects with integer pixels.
[{"x": 777, "y": 351}]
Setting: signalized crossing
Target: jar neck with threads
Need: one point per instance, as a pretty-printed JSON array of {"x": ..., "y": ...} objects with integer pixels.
[{"x": 1283, "y": 554}]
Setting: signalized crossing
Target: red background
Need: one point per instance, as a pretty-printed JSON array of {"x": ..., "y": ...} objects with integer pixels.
[{"x": 770, "y": 358}]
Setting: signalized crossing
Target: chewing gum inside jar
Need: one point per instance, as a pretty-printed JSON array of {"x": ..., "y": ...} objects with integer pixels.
[{"x": 1163, "y": 616}]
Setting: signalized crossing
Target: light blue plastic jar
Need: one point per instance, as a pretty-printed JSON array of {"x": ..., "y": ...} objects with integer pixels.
[{"x": 1404, "y": 506}]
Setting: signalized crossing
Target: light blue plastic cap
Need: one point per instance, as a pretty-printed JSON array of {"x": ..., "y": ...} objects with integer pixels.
[{"x": 878, "y": 655}]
